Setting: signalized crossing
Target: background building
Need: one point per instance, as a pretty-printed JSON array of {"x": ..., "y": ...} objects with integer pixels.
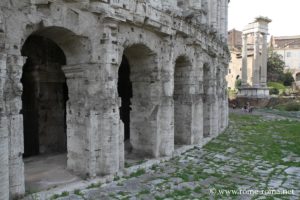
[
  {"x": 235, "y": 65},
  {"x": 289, "y": 48}
]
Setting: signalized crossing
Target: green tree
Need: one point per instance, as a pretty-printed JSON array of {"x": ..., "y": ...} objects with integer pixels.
[{"x": 275, "y": 67}]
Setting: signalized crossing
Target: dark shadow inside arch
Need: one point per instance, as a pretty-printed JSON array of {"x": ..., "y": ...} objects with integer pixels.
[
  {"x": 182, "y": 112},
  {"x": 44, "y": 97},
  {"x": 137, "y": 77},
  {"x": 125, "y": 92}
]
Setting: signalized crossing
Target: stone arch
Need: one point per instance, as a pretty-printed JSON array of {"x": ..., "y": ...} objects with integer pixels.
[
  {"x": 182, "y": 101},
  {"x": 51, "y": 85},
  {"x": 44, "y": 97},
  {"x": 75, "y": 47},
  {"x": 138, "y": 88}
]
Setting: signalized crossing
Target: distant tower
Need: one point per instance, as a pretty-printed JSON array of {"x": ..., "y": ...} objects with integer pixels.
[{"x": 254, "y": 59}]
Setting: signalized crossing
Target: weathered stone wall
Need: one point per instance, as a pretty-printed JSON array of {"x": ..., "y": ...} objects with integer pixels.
[
  {"x": 4, "y": 139},
  {"x": 178, "y": 60}
]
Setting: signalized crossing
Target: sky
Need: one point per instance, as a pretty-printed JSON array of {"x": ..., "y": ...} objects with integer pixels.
[{"x": 285, "y": 15}]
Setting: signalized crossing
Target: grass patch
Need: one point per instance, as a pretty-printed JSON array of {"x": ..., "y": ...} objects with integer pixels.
[
  {"x": 138, "y": 173},
  {"x": 94, "y": 185},
  {"x": 154, "y": 167},
  {"x": 215, "y": 147},
  {"x": 183, "y": 174},
  {"x": 56, "y": 196},
  {"x": 144, "y": 192},
  {"x": 186, "y": 192},
  {"x": 294, "y": 106},
  {"x": 198, "y": 190},
  {"x": 122, "y": 193},
  {"x": 266, "y": 138},
  {"x": 78, "y": 192},
  {"x": 116, "y": 178}
]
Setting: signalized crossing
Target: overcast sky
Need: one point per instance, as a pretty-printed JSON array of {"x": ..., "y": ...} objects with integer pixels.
[{"x": 285, "y": 15}]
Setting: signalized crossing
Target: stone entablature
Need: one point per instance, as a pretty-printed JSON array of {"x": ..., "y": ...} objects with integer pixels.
[{"x": 178, "y": 62}]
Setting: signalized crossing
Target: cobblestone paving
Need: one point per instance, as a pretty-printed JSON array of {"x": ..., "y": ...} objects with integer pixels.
[{"x": 257, "y": 154}]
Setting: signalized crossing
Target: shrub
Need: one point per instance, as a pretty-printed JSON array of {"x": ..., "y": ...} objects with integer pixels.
[
  {"x": 287, "y": 79},
  {"x": 277, "y": 85},
  {"x": 276, "y": 88},
  {"x": 232, "y": 94},
  {"x": 292, "y": 107},
  {"x": 274, "y": 91},
  {"x": 289, "y": 107}
]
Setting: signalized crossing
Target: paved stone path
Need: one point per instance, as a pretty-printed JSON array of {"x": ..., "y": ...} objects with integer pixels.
[{"x": 254, "y": 159}]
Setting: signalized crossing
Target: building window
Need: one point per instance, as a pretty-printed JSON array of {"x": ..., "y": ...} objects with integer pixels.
[
  {"x": 288, "y": 54},
  {"x": 229, "y": 71}
]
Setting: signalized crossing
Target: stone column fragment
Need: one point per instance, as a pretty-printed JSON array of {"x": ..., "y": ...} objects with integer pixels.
[
  {"x": 244, "y": 61},
  {"x": 256, "y": 66},
  {"x": 264, "y": 57}
]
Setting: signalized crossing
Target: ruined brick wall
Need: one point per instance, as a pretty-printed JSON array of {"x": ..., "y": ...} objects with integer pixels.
[{"x": 167, "y": 43}]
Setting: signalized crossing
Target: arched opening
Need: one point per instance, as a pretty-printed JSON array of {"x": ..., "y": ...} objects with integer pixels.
[
  {"x": 44, "y": 97},
  {"x": 182, "y": 102},
  {"x": 206, "y": 101},
  {"x": 137, "y": 88}
]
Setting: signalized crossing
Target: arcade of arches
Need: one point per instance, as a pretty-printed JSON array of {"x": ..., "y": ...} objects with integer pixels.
[{"x": 98, "y": 91}]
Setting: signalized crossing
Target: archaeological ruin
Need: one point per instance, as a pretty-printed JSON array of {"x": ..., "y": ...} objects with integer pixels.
[
  {"x": 254, "y": 59},
  {"x": 100, "y": 80}
]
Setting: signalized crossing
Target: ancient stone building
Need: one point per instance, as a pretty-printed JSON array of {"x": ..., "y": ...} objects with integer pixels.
[
  {"x": 249, "y": 54},
  {"x": 235, "y": 64},
  {"x": 254, "y": 59},
  {"x": 85, "y": 77}
]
